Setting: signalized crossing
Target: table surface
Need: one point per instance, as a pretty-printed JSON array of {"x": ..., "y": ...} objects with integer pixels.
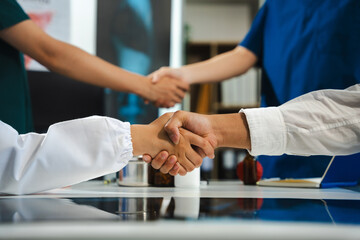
[{"x": 216, "y": 210}]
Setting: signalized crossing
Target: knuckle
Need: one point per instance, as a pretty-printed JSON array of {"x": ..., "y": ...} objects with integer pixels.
[
  {"x": 190, "y": 168},
  {"x": 198, "y": 164},
  {"x": 198, "y": 161},
  {"x": 202, "y": 144},
  {"x": 178, "y": 113},
  {"x": 168, "y": 114}
]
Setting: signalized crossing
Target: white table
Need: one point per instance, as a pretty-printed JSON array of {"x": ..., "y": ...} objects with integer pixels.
[{"x": 165, "y": 229}]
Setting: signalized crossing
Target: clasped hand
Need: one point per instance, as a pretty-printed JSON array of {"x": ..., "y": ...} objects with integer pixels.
[
  {"x": 186, "y": 141},
  {"x": 186, "y": 153},
  {"x": 165, "y": 92}
]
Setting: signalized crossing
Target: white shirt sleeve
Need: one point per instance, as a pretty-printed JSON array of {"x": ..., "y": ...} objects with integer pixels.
[
  {"x": 69, "y": 153},
  {"x": 325, "y": 122}
]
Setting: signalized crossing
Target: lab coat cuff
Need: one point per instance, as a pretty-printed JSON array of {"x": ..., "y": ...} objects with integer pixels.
[
  {"x": 124, "y": 143},
  {"x": 267, "y": 131}
]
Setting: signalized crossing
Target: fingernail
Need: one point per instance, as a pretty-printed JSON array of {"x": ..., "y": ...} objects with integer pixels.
[
  {"x": 163, "y": 155},
  {"x": 172, "y": 160},
  {"x": 146, "y": 159}
]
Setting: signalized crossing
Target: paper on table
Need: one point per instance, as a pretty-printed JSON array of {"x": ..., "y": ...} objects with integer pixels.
[{"x": 306, "y": 182}]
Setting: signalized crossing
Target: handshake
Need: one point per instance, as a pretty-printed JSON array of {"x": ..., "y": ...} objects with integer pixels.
[{"x": 177, "y": 142}]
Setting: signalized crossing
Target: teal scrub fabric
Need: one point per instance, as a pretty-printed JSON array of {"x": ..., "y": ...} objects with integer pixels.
[
  {"x": 302, "y": 46},
  {"x": 15, "y": 107}
]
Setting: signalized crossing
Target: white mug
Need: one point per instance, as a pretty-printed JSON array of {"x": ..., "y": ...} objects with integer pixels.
[{"x": 190, "y": 180}]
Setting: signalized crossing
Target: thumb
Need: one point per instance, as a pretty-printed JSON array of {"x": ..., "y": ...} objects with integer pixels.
[
  {"x": 164, "y": 72},
  {"x": 151, "y": 76},
  {"x": 156, "y": 76},
  {"x": 172, "y": 127}
]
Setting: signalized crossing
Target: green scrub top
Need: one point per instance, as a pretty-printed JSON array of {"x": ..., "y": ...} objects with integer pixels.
[{"x": 15, "y": 106}]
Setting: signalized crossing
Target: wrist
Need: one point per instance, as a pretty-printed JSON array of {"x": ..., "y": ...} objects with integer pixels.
[
  {"x": 185, "y": 74},
  {"x": 217, "y": 124},
  {"x": 142, "y": 88},
  {"x": 245, "y": 132},
  {"x": 231, "y": 130},
  {"x": 139, "y": 138}
]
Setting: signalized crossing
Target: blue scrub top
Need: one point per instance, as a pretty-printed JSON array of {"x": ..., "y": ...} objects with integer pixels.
[{"x": 302, "y": 46}]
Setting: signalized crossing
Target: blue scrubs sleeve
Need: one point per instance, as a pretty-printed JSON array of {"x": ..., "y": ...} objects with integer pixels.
[{"x": 253, "y": 41}]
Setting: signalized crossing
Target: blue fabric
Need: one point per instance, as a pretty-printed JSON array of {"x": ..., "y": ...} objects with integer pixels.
[{"x": 302, "y": 46}]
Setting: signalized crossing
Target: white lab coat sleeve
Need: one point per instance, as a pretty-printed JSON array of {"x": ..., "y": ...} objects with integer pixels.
[
  {"x": 69, "y": 153},
  {"x": 324, "y": 122}
]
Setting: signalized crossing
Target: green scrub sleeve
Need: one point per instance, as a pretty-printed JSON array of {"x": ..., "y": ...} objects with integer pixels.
[{"x": 11, "y": 13}]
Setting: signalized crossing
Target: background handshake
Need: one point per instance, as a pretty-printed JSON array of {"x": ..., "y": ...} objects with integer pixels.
[{"x": 167, "y": 86}]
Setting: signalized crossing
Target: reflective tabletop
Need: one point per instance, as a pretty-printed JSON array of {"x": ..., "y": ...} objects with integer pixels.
[
  {"x": 216, "y": 211},
  {"x": 177, "y": 208}
]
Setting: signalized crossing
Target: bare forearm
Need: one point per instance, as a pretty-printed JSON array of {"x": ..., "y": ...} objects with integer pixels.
[
  {"x": 220, "y": 67},
  {"x": 78, "y": 64},
  {"x": 231, "y": 130},
  {"x": 75, "y": 63},
  {"x": 71, "y": 61}
]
